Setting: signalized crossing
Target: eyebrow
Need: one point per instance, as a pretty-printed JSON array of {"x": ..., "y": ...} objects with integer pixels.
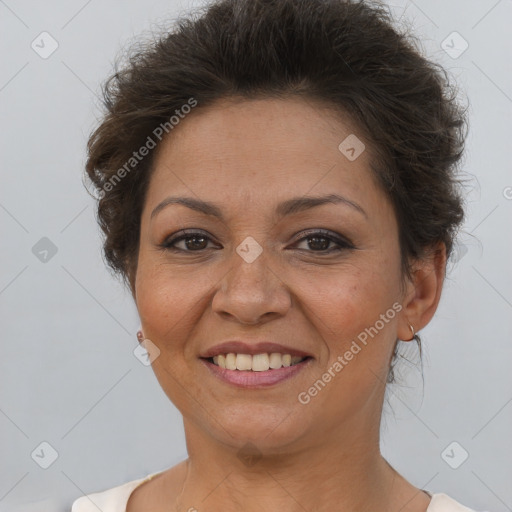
[{"x": 288, "y": 207}]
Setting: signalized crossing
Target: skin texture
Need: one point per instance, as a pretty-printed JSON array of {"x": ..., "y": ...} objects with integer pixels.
[{"x": 246, "y": 157}]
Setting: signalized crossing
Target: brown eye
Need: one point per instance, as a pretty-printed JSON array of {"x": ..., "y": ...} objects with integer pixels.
[
  {"x": 193, "y": 241},
  {"x": 320, "y": 241}
]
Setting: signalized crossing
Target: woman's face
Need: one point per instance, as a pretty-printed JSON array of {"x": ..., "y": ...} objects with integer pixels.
[{"x": 255, "y": 276}]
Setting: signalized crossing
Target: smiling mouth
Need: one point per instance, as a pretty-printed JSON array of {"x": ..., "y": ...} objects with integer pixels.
[{"x": 255, "y": 363}]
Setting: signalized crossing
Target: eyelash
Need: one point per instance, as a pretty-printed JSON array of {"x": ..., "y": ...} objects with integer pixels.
[{"x": 343, "y": 244}]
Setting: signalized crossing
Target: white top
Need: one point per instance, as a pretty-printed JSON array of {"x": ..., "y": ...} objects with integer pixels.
[{"x": 116, "y": 499}]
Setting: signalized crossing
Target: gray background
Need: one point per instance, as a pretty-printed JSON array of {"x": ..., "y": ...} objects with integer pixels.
[{"x": 68, "y": 375}]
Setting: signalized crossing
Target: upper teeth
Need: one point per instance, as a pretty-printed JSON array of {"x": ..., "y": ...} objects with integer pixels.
[{"x": 256, "y": 363}]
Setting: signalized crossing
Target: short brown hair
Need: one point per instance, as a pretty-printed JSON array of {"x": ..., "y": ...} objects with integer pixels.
[{"x": 343, "y": 53}]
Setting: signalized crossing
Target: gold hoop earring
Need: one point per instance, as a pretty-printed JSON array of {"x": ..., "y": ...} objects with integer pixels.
[{"x": 413, "y": 333}]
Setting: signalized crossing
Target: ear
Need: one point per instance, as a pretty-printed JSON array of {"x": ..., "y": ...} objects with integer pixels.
[{"x": 423, "y": 292}]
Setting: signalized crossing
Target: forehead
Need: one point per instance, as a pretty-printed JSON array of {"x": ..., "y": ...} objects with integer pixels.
[{"x": 264, "y": 149}]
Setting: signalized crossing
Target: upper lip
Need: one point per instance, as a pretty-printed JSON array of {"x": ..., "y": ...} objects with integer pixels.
[{"x": 261, "y": 347}]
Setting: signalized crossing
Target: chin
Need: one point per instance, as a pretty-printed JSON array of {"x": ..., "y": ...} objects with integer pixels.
[{"x": 267, "y": 427}]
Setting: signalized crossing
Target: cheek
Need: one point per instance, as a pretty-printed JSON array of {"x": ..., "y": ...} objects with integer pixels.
[
  {"x": 169, "y": 308},
  {"x": 350, "y": 298},
  {"x": 166, "y": 301},
  {"x": 344, "y": 309},
  {"x": 348, "y": 307}
]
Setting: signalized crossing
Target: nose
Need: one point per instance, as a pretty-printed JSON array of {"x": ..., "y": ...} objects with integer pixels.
[{"x": 251, "y": 293}]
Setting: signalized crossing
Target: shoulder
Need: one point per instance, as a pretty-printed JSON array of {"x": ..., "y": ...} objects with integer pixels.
[
  {"x": 443, "y": 503},
  {"x": 109, "y": 500}
]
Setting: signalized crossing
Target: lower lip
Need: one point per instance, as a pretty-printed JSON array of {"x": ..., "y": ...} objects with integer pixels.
[{"x": 250, "y": 379}]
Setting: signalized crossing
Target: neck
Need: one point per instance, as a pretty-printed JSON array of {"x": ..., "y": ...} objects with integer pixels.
[{"x": 339, "y": 470}]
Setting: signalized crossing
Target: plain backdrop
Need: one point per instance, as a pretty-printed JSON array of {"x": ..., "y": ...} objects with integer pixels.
[{"x": 68, "y": 376}]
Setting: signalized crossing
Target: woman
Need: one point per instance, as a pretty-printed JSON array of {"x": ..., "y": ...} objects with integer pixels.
[{"x": 277, "y": 187}]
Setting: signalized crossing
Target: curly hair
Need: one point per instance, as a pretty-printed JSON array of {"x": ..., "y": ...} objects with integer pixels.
[{"x": 345, "y": 54}]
